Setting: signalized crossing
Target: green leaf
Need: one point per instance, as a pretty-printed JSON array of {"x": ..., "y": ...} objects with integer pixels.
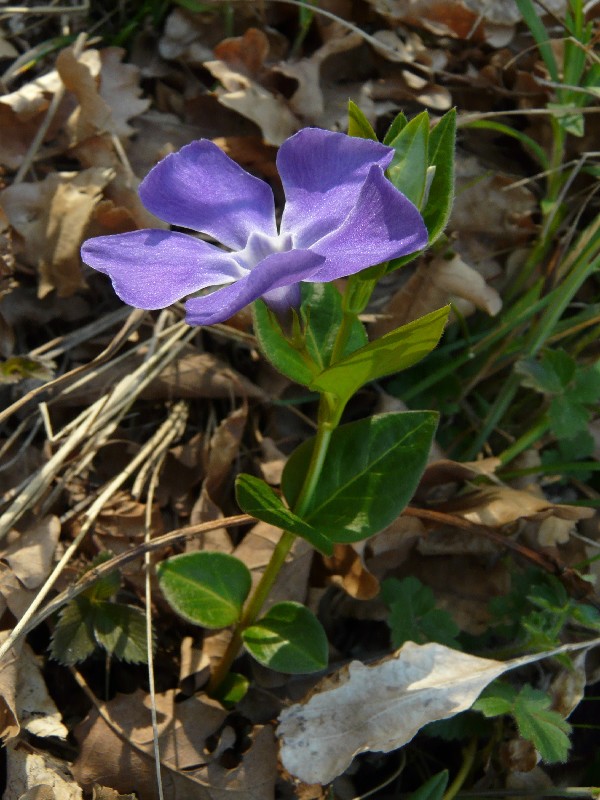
[
  {"x": 433, "y": 789},
  {"x": 408, "y": 169},
  {"x": 358, "y": 124},
  {"x": 289, "y": 638},
  {"x": 441, "y": 193},
  {"x": 413, "y": 614},
  {"x": 371, "y": 470},
  {"x": 232, "y": 690},
  {"x": 73, "y": 638},
  {"x": 586, "y": 386},
  {"x": 256, "y": 498},
  {"x": 121, "y": 630},
  {"x": 205, "y": 588},
  {"x": 393, "y": 352},
  {"x": 496, "y": 700},
  {"x": 536, "y": 722},
  {"x": 567, "y": 418},
  {"x": 322, "y": 316},
  {"x": 397, "y": 125},
  {"x": 107, "y": 586},
  {"x": 539, "y": 724}
]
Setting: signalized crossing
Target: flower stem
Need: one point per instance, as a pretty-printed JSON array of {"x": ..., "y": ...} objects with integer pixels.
[
  {"x": 330, "y": 411},
  {"x": 252, "y": 610}
]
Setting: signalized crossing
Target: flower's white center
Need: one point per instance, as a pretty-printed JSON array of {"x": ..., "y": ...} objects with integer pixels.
[{"x": 260, "y": 246}]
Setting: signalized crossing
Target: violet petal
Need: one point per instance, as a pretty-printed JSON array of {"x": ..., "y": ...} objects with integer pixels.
[
  {"x": 276, "y": 270},
  {"x": 322, "y": 174},
  {"x": 384, "y": 224},
  {"x": 201, "y": 188},
  {"x": 154, "y": 268}
]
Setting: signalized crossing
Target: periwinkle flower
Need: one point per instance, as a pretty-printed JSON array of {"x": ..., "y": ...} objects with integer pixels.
[{"x": 341, "y": 215}]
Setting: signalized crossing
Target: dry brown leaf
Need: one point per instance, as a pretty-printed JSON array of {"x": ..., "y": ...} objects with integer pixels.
[
  {"x": 347, "y": 570},
  {"x": 568, "y": 687},
  {"x": 223, "y": 449},
  {"x": 107, "y": 91},
  {"x": 104, "y": 793},
  {"x": 246, "y": 53},
  {"x": 120, "y": 753},
  {"x": 36, "y": 710},
  {"x": 13, "y": 595},
  {"x": 242, "y": 94},
  {"x": 9, "y": 668},
  {"x": 51, "y": 217},
  {"x": 499, "y": 505},
  {"x": 37, "y": 777},
  {"x": 30, "y": 554},
  {"x": 432, "y": 286},
  {"x": 190, "y": 375}
]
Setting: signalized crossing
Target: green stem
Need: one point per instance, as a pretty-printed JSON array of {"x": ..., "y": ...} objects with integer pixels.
[
  {"x": 252, "y": 610},
  {"x": 330, "y": 411},
  {"x": 469, "y": 754},
  {"x": 523, "y": 442}
]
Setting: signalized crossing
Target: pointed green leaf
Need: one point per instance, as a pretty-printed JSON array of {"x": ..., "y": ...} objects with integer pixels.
[
  {"x": 397, "y": 125},
  {"x": 393, "y": 352},
  {"x": 205, "y": 588},
  {"x": 442, "y": 141},
  {"x": 289, "y": 638},
  {"x": 121, "y": 630},
  {"x": 358, "y": 124},
  {"x": 256, "y": 498},
  {"x": 73, "y": 638},
  {"x": 433, "y": 789},
  {"x": 371, "y": 470},
  {"x": 408, "y": 169}
]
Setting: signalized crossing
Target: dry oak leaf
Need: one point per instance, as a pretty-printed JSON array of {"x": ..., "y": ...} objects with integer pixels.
[
  {"x": 381, "y": 707},
  {"x": 36, "y": 710},
  {"x": 246, "y": 96},
  {"x": 107, "y": 91},
  {"x": 51, "y": 217}
]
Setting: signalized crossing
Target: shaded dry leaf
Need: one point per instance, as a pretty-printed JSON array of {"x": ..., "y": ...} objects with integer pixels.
[
  {"x": 51, "y": 217},
  {"x": 382, "y": 706},
  {"x": 13, "y": 595},
  {"x": 36, "y": 777},
  {"x": 518, "y": 755},
  {"x": 272, "y": 462},
  {"x": 120, "y": 753},
  {"x": 9, "y": 721},
  {"x": 347, "y": 570},
  {"x": 104, "y": 793},
  {"x": 223, "y": 449},
  {"x": 433, "y": 285},
  {"x": 190, "y": 375},
  {"x": 30, "y": 554},
  {"x": 568, "y": 687},
  {"x": 500, "y": 505}
]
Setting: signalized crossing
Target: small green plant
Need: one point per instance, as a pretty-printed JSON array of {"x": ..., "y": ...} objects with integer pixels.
[
  {"x": 95, "y": 621},
  {"x": 413, "y": 615}
]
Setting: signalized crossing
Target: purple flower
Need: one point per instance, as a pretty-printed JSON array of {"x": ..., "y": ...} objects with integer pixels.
[{"x": 341, "y": 216}]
